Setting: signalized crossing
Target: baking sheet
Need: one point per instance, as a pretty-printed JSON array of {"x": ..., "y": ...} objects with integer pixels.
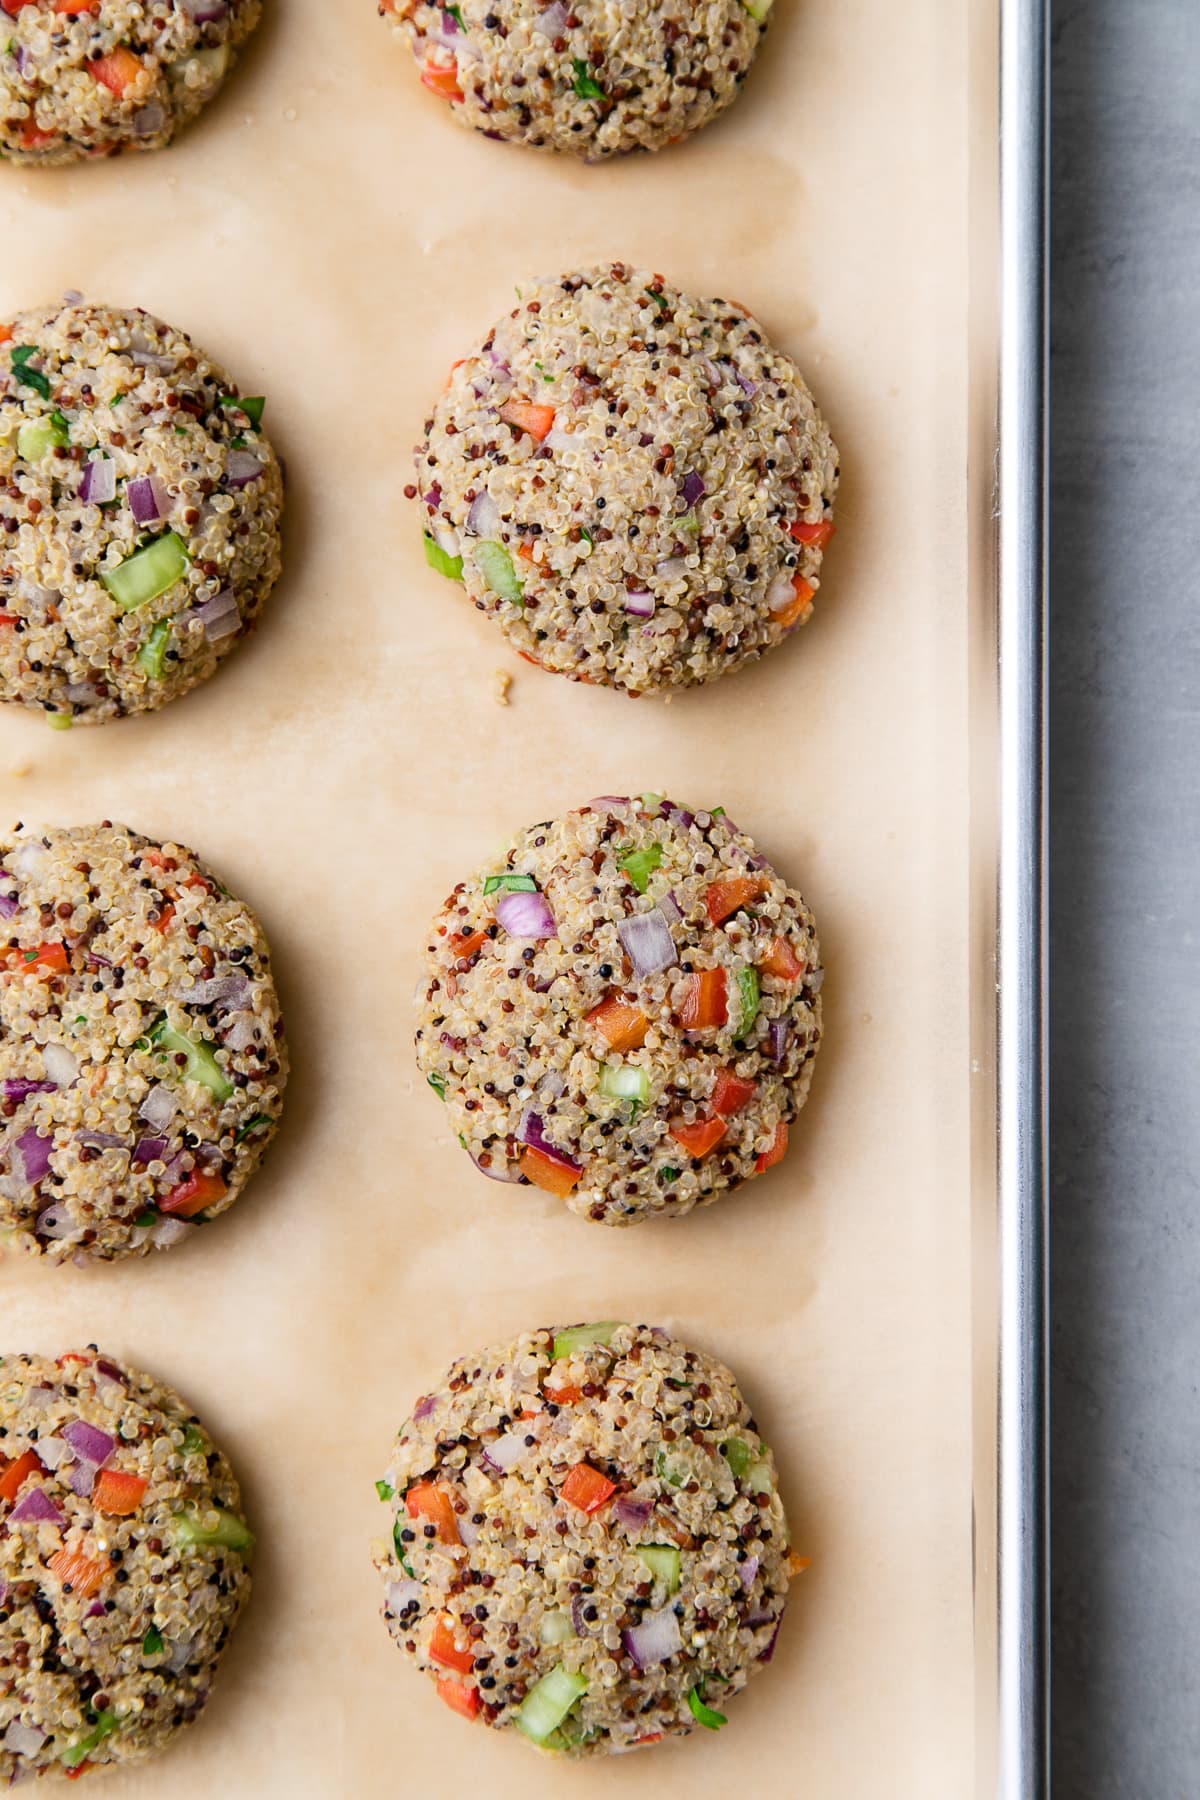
[{"x": 335, "y": 239}]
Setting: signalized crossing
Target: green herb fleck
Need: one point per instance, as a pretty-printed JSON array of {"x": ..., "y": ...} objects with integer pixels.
[
  {"x": 384, "y": 1489},
  {"x": 27, "y": 377},
  {"x": 401, "y": 1552},
  {"x": 705, "y": 1715},
  {"x": 254, "y": 1124},
  {"x": 438, "y": 1084},
  {"x": 152, "y": 1643},
  {"x": 660, "y": 300},
  {"x": 515, "y": 884},
  {"x": 586, "y": 85}
]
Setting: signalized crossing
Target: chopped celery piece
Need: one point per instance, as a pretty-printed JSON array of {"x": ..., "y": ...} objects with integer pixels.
[
  {"x": 27, "y": 377},
  {"x": 513, "y": 884},
  {"x": 580, "y": 1336},
  {"x": 556, "y": 1628},
  {"x": 37, "y": 438},
  {"x": 153, "y": 653},
  {"x": 652, "y": 803},
  {"x": 737, "y": 1454},
  {"x": 148, "y": 573},
  {"x": 640, "y": 865},
  {"x": 59, "y": 721},
  {"x": 229, "y": 1532},
  {"x": 663, "y": 1562},
  {"x": 749, "y": 997},
  {"x": 758, "y": 9},
  {"x": 152, "y": 1643},
  {"x": 496, "y": 567},
  {"x": 441, "y": 560},
  {"x": 106, "y": 1724},
  {"x": 213, "y": 60},
  {"x": 547, "y": 1704},
  {"x": 202, "y": 1065},
  {"x": 385, "y": 1490},
  {"x": 705, "y": 1715},
  {"x": 673, "y": 1474},
  {"x": 759, "y": 1480},
  {"x": 718, "y": 812},
  {"x": 625, "y": 1082}
]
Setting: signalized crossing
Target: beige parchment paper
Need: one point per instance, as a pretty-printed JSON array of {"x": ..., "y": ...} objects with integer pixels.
[{"x": 334, "y": 238}]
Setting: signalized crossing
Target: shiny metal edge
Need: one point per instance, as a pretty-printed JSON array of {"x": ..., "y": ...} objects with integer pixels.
[{"x": 1022, "y": 1531}]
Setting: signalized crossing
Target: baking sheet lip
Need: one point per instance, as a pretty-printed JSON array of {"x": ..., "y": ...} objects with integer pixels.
[{"x": 1022, "y": 1472}]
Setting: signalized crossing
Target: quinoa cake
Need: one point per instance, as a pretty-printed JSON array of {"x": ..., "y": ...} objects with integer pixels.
[
  {"x": 594, "y": 78},
  {"x": 140, "y": 507},
  {"x": 588, "y": 1539},
  {"x": 142, "y": 1054},
  {"x": 634, "y": 484},
  {"x": 83, "y": 78},
  {"x": 623, "y": 1009},
  {"x": 124, "y": 1564}
]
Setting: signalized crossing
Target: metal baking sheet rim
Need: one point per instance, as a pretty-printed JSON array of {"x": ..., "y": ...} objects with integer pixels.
[{"x": 1008, "y": 898}]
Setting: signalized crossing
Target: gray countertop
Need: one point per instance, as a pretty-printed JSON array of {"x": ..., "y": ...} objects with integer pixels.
[{"x": 1125, "y": 919}]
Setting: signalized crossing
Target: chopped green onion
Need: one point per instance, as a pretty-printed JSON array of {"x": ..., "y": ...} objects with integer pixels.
[
  {"x": 750, "y": 996},
  {"x": 148, "y": 573},
  {"x": 625, "y": 1081},
  {"x": 666, "y": 1473},
  {"x": 202, "y": 1065},
  {"x": 254, "y": 1124},
  {"x": 514, "y": 884},
  {"x": 229, "y": 1532},
  {"x": 496, "y": 567},
  {"x": 442, "y": 561},
  {"x": 556, "y": 1628},
  {"x": 106, "y": 1724},
  {"x": 547, "y": 1703},
  {"x": 737, "y": 1454},
  {"x": 660, "y": 300},
  {"x": 586, "y": 535},
  {"x": 669, "y": 1174},
  {"x": 663, "y": 1562},
  {"x": 253, "y": 407},
  {"x": 580, "y": 1336},
  {"x": 385, "y": 1490},
  {"x": 193, "y": 1440},
  {"x": 456, "y": 13},
  {"x": 152, "y": 1643},
  {"x": 705, "y": 1715},
  {"x": 438, "y": 1084},
  {"x": 586, "y": 85},
  {"x": 27, "y": 377},
  {"x": 640, "y": 865},
  {"x": 40, "y": 436},
  {"x": 153, "y": 653}
]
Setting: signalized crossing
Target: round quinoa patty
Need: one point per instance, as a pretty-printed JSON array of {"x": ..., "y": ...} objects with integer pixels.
[
  {"x": 623, "y": 1009},
  {"x": 633, "y": 483},
  {"x": 123, "y": 1564},
  {"x": 89, "y": 77},
  {"x": 142, "y": 1056},
  {"x": 589, "y": 1542},
  {"x": 139, "y": 512},
  {"x": 595, "y": 78}
]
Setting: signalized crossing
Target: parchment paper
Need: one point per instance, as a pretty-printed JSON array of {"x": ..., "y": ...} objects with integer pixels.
[{"x": 329, "y": 233}]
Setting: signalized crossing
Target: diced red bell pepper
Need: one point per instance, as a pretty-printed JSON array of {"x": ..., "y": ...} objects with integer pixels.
[
  {"x": 781, "y": 960},
  {"x": 706, "y": 1002},
  {"x": 79, "y": 1771},
  {"x": 798, "y": 1564},
  {"x": 727, "y": 897},
  {"x": 620, "y": 1022},
  {"x": 545, "y": 1172},
  {"x": 776, "y": 1153},
  {"x": 817, "y": 535},
  {"x": 13, "y": 7},
  {"x": 51, "y": 957},
  {"x": 442, "y": 81},
  {"x": 425, "y": 1500},
  {"x": 453, "y": 365},
  {"x": 791, "y": 614},
  {"x": 565, "y": 1396},
  {"x": 587, "y": 1488},
  {"x": 699, "y": 1136},
  {"x": 8, "y": 620},
  {"x": 443, "y": 1648},
  {"x": 117, "y": 1492},
  {"x": 164, "y": 917},
  {"x": 199, "y": 1190},
  {"x": 530, "y": 416},
  {"x": 460, "y": 1696},
  {"x": 17, "y": 1474},
  {"x": 731, "y": 1093},
  {"x": 464, "y": 949},
  {"x": 649, "y": 1737},
  {"x": 117, "y": 70},
  {"x": 6, "y": 332},
  {"x": 34, "y": 138},
  {"x": 86, "y": 1575},
  {"x": 71, "y": 8}
]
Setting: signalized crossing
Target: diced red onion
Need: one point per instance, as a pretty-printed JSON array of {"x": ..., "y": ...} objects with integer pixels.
[
  {"x": 484, "y": 516},
  {"x": 99, "y": 484},
  {"x": 82, "y": 693},
  {"x": 577, "y": 1618},
  {"x": 640, "y": 603},
  {"x": 148, "y": 119},
  {"x": 778, "y": 1033},
  {"x": 53, "y": 1451},
  {"x": 816, "y": 981},
  {"x": 648, "y": 942},
  {"x": 532, "y": 1131},
  {"x": 552, "y": 21},
  {"x": 89, "y": 1443},
  {"x": 29, "y": 856},
  {"x": 551, "y": 1086},
  {"x": 401, "y": 1594},
  {"x": 609, "y": 800},
  {"x": 168, "y": 1232},
  {"x": 507, "y": 1451},
  {"x": 219, "y": 616},
  {"x": 769, "y": 1652},
  {"x": 36, "y": 1508},
  {"x": 425, "y": 1408},
  {"x": 449, "y": 23},
  {"x": 150, "y": 1149},
  {"x": 433, "y": 499},
  {"x": 670, "y": 908},
  {"x": 81, "y": 1478},
  {"x": 23, "y": 60},
  {"x": 497, "y": 1169},
  {"x": 158, "y": 1108},
  {"x": 95, "y": 1610},
  {"x": 748, "y": 1572},
  {"x": 20, "y": 1089},
  {"x": 241, "y": 1032},
  {"x": 468, "y": 1531},
  {"x": 242, "y": 468},
  {"x": 148, "y": 500},
  {"x": 110, "y": 1372},
  {"x": 711, "y": 370},
  {"x": 782, "y": 591},
  {"x": 526, "y": 915},
  {"x": 34, "y": 1151},
  {"x": 10, "y": 906},
  {"x": 55, "y": 1222},
  {"x": 61, "y": 1065},
  {"x": 672, "y": 568},
  {"x": 558, "y": 439},
  {"x": 655, "y": 1639},
  {"x": 21, "y": 1739},
  {"x": 181, "y": 1656},
  {"x": 225, "y": 990},
  {"x": 148, "y": 359},
  {"x": 748, "y": 387},
  {"x": 99, "y": 1140},
  {"x": 204, "y": 12},
  {"x": 633, "y": 1514},
  {"x": 693, "y": 488},
  {"x": 679, "y": 815}
]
